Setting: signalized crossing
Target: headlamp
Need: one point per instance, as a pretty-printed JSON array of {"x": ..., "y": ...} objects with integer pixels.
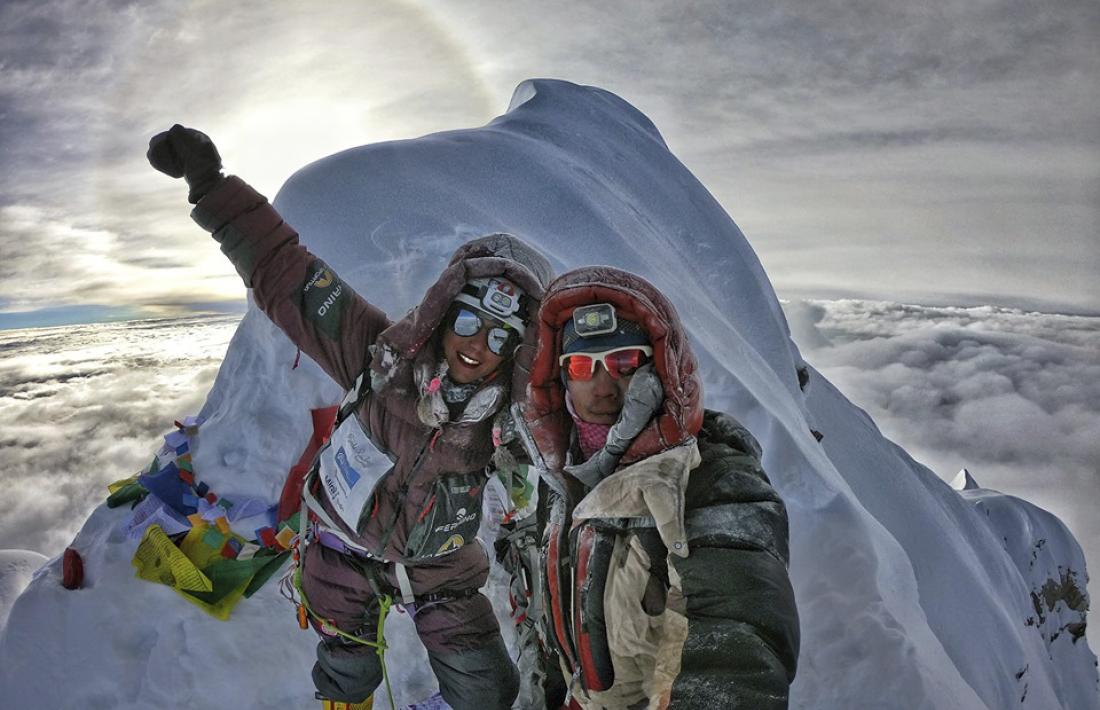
[
  {"x": 595, "y": 319},
  {"x": 498, "y": 298}
]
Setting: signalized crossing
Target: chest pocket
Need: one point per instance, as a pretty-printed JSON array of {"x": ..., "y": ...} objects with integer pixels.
[
  {"x": 351, "y": 465},
  {"x": 450, "y": 517}
]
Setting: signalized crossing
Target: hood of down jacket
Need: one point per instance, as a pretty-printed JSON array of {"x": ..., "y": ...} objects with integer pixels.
[
  {"x": 410, "y": 341},
  {"x": 634, "y": 298}
]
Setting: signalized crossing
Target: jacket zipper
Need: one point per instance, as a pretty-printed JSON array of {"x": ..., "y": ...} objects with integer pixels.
[{"x": 403, "y": 488}]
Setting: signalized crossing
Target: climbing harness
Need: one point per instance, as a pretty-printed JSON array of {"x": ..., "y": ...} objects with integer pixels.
[{"x": 328, "y": 626}]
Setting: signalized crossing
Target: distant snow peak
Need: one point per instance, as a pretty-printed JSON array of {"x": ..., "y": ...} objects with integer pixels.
[{"x": 963, "y": 481}]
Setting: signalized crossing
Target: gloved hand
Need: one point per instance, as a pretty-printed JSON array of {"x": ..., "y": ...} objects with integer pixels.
[
  {"x": 189, "y": 154},
  {"x": 643, "y": 397}
]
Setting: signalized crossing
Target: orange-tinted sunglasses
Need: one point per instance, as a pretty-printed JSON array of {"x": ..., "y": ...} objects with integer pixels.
[{"x": 619, "y": 362}]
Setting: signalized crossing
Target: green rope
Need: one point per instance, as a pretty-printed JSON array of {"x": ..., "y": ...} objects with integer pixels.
[
  {"x": 384, "y": 604},
  {"x": 385, "y": 601}
]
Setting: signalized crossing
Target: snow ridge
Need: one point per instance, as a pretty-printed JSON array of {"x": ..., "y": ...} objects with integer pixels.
[{"x": 911, "y": 594}]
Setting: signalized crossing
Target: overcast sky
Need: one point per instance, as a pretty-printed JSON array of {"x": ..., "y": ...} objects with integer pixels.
[{"x": 937, "y": 152}]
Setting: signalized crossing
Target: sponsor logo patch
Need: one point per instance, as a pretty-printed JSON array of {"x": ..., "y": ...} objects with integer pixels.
[
  {"x": 461, "y": 518},
  {"x": 322, "y": 299},
  {"x": 453, "y": 543},
  {"x": 350, "y": 474}
]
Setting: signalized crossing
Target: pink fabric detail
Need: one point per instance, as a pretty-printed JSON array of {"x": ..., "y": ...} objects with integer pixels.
[
  {"x": 591, "y": 437},
  {"x": 434, "y": 385}
]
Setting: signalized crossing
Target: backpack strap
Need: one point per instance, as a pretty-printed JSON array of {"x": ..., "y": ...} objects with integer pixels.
[
  {"x": 353, "y": 398},
  {"x": 350, "y": 404}
]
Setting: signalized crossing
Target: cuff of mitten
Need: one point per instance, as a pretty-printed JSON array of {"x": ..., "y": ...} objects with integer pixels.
[{"x": 229, "y": 198}]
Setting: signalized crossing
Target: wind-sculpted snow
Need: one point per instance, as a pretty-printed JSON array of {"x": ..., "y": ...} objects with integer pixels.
[
  {"x": 907, "y": 597},
  {"x": 16, "y": 569}
]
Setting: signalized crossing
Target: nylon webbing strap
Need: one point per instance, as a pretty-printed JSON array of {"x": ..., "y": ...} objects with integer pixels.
[
  {"x": 353, "y": 398},
  {"x": 407, "y": 596},
  {"x": 303, "y": 515},
  {"x": 314, "y": 507}
]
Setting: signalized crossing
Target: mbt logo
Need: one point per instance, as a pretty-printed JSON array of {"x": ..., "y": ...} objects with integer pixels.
[
  {"x": 453, "y": 543},
  {"x": 330, "y": 485}
]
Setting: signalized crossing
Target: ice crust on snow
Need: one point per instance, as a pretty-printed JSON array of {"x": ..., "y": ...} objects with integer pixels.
[
  {"x": 16, "y": 569},
  {"x": 911, "y": 595}
]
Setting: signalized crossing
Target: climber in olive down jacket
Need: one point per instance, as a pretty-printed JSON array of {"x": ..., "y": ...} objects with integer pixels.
[
  {"x": 665, "y": 546},
  {"x": 398, "y": 492}
]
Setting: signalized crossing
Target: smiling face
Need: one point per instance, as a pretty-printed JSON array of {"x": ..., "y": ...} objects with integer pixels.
[{"x": 469, "y": 358}]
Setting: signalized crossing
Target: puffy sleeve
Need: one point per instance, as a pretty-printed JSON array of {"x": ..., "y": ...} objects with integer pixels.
[
  {"x": 320, "y": 314},
  {"x": 742, "y": 645}
]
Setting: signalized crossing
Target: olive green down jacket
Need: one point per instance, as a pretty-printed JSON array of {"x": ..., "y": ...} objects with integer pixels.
[{"x": 742, "y": 645}]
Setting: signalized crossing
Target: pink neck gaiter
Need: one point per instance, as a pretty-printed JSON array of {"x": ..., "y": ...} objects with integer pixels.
[{"x": 591, "y": 437}]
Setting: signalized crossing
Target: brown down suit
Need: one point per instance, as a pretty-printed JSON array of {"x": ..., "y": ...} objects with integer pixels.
[{"x": 345, "y": 335}]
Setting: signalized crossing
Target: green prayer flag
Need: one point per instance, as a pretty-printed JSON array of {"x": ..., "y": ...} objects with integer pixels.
[
  {"x": 127, "y": 493},
  {"x": 274, "y": 562}
]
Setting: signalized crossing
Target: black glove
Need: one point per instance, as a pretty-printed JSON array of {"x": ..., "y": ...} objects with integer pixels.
[{"x": 189, "y": 154}]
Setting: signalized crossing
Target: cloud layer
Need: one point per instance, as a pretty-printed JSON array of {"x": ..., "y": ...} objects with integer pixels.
[
  {"x": 1012, "y": 396},
  {"x": 83, "y": 406},
  {"x": 945, "y": 152},
  {"x": 86, "y": 83}
]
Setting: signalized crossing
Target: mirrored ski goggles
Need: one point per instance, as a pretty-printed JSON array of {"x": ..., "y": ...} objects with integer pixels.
[
  {"x": 619, "y": 362},
  {"x": 468, "y": 323}
]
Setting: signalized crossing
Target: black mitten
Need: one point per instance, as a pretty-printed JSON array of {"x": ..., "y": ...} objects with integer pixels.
[{"x": 189, "y": 154}]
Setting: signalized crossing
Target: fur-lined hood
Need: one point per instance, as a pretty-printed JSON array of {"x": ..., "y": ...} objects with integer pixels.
[
  {"x": 635, "y": 299},
  {"x": 493, "y": 255}
]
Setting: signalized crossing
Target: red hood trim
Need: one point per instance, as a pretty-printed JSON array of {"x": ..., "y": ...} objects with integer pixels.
[{"x": 636, "y": 299}]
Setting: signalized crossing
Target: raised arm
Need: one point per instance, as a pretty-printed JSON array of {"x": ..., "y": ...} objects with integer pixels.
[
  {"x": 297, "y": 290},
  {"x": 742, "y": 644}
]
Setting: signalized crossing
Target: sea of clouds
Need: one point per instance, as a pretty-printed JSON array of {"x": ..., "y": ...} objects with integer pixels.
[
  {"x": 1012, "y": 396},
  {"x": 81, "y": 406}
]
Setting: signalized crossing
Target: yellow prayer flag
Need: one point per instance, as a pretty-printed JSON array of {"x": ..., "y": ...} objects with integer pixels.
[
  {"x": 157, "y": 559},
  {"x": 119, "y": 485}
]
